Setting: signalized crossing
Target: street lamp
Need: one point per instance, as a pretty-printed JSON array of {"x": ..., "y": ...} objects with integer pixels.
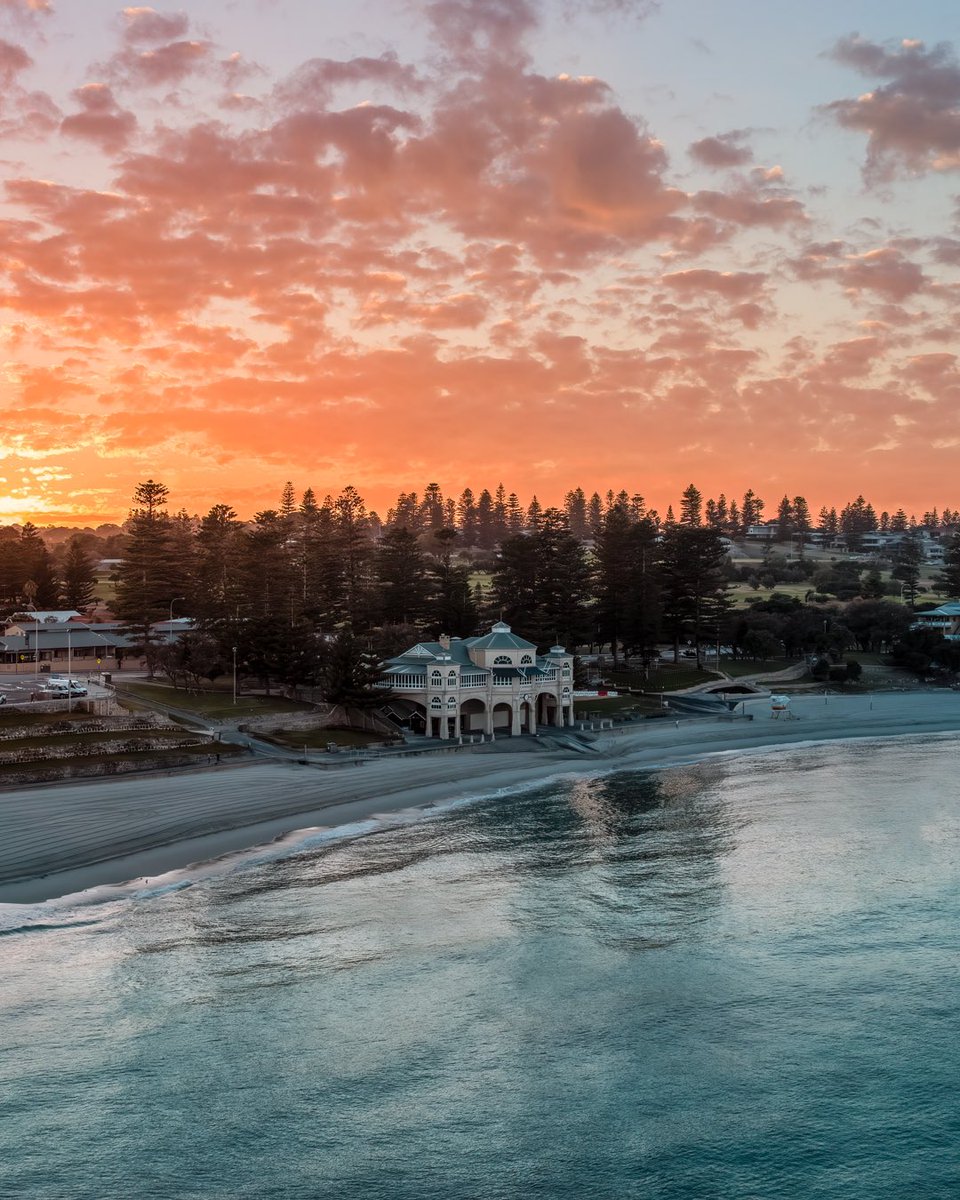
[
  {"x": 69, "y": 672},
  {"x": 234, "y": 674},
  {"x": 172, "y": 603}
]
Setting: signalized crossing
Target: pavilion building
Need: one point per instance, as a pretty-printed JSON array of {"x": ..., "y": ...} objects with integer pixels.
[{"x": 495, "y": 684}]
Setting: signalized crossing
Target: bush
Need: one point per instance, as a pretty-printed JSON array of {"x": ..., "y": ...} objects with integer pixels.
[
  {"x": 854, "y": 671},
  {"x": 838, "y": 673},
  {"x": 820, "y": 670}
]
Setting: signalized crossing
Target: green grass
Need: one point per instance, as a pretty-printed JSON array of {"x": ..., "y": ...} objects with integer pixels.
[
  {"x": 10, "y": 719},
  {"x": 215, "y": 704},
  {"x": 608, "y": 706},
  {"x": 318, "y": 739},
  {"x": 737, "y": 667},
  {"x": 158, "y": 757},
  {"x": 665, "y": 679},
  {"x": 85, "y": 739}
]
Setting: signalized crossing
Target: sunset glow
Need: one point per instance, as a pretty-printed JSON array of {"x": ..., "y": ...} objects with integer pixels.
[{"x": 605, "y": 243}]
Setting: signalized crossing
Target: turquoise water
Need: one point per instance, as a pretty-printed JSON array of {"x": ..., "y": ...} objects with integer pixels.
[{"x": 733, "y": 980}]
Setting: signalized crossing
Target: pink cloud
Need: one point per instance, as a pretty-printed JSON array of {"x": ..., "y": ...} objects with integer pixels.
[
  {"x": 147, "y": 25},
  {"x": 722, "y": 150},
  {"x": 912, "y": 123},
  {"x": 102, "y": 120}
]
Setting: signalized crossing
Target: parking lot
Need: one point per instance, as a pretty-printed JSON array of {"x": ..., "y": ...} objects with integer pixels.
[{"x": 25, "y": 689}]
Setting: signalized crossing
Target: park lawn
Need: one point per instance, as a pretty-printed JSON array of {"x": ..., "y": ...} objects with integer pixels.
[
  {"x": 667, "y": 678},
  {"x": 159, "y": 757},
  {"x": 608, "y": 706},
  {"x": 319, "y": 739},
  {"x": 85, "y": 739},
  {"x": 737, "y": 667},
  {"x": 217, "y": 705},
  {"x": 11, "y": 717}
]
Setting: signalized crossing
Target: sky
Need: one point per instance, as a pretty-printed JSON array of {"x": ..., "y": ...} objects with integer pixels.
[{"x": 600, "y": 243}]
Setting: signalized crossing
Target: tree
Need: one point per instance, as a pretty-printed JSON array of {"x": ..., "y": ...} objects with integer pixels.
[
  {"x": 37, "y": 566},
  {"x": 350, "y": 673},
  {"x": 695, "y": 583},
  {"x": 906, "y": 560},
  {"x": 147, "y": 579},
  {"x": 452, "y": 608},
  {"x": 691, "y": 507},
  {"x": 79, "y": 576},
  {"x": 801, "y": 521},
  {"x": 949, "y": 578},
  {"x": 786, "y": 520},
  {"x": 751, "y": 509},
  {"x": 402, "y": 586}
]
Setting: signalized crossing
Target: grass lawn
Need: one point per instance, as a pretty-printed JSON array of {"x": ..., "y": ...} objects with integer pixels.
[
  {"x": 735, "y": 667},
  {"x": 667, "y": 678},
  {"x": 215, "y": 704},
  {"x": 11, "y": 718},
  {"x": 318, "y": 739},
  {"x": 40, "y": 740},
  {"x": 609, "y": 706},
  {"x": 158, "y": 757}
]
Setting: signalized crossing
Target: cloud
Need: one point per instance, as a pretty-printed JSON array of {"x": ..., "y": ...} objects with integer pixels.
[
  {"x": 732, "y": 284},
  {"x": 101, "y": 120},
  {"x": 13, "y": 60},
  {"x": 159, "y": 65},
  {"x": 912, "y": 123},
  {"x": 722, "y": 150},
  {"x": 148, "y": 25}
]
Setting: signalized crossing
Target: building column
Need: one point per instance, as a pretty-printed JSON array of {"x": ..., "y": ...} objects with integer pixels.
[
  {"x": 558, "y": 714},
  {"x": 456, "y": 723},
  {"x": 571, "y": 715},
  {"x": 488, "y": 719},
  {"x": 515, "y": 730}
]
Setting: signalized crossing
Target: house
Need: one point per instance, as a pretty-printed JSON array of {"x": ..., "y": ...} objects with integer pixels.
[
  {"x": 945, "y": 620},
  {"x": 487, "y": 685}
]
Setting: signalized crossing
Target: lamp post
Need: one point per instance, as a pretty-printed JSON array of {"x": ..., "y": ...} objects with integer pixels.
[
  {"x": 234, "y": 674},
  {"x": 69, "y": 672},
  {"x": 172, "y": 603}
]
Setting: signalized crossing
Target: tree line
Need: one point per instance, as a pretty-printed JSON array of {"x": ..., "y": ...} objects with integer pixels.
[{"x": 278, "y": 591}]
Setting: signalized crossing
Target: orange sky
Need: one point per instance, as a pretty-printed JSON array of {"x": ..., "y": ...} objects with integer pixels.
[{"x": 608, "y": 243}]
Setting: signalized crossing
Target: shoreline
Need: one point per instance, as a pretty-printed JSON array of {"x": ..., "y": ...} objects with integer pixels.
[{"x": 74, "y": 837}]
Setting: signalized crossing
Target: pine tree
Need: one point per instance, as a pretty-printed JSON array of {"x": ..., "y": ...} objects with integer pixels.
[
  {"x": 79, "y": 576},
  {"x": 691, "y": 507},
  {"x": 402, "y": 587},
  {"x": 801, "y": 519},
  {"x": 786, "y": 520},
  {"x": 575, "y": 506},
  {"x": 695, "y": 584},
  {"x": 467, "y": 518},
  {"x": 906, "y": 561},
  {"x": 148, "y": 576},
  {"x": 949, "y": 578}
]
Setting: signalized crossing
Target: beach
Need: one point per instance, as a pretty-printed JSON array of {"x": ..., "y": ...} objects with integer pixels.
[{"x": 62, "y": 839}]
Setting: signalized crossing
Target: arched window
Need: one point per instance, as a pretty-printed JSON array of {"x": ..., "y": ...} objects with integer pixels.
[
  {"x": 436, "y": 702},
  {"x": 451, "y": 677},
  {"x": 566, "y": 690},
  {"x": 566, "y": 668},
  {"x": 502, "y": 660},
  {"x": 436, "y": 677},
  {"x": 451, "y": 702},
  {"x": 526, "y": 660}
]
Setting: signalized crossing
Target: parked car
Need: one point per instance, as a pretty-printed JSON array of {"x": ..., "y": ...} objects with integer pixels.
[{"x": 75, "y": 686}]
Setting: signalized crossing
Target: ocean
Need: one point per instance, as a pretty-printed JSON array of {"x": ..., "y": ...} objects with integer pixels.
[{"x": 738, "y": 979}]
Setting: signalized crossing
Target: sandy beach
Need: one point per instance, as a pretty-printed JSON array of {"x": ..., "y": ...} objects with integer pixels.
[{"x": 59, "y": 840}]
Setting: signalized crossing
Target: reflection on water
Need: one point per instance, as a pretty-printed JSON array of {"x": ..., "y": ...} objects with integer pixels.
[{"x": 725, "y": 980}]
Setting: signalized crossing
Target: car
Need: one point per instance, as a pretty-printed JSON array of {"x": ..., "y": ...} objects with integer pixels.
[{"x": 76, "y": 686}]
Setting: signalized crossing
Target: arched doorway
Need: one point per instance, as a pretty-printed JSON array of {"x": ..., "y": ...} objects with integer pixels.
[
  {"x": 502, "y": 718},
  {"x": 547, "y": 709},
  {"x": 473, "y": 716}
]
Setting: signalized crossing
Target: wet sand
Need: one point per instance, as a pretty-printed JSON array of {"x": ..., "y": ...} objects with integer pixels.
[{"x": 62, "y": 839}]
